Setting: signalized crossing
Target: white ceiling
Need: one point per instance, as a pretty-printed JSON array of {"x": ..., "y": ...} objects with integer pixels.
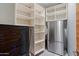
[{"x": 45, "y": 5}]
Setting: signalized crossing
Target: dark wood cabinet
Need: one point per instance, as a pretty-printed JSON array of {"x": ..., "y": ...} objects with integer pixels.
[{"x": 14, "y": 40}]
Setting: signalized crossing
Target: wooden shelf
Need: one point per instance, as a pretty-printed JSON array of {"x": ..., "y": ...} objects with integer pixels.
[
  {"x": 39, "y": 41},
  {"x": 21, "y": 7},
  {"x": 40, "y": 32},
  {"x": 24, "y": 14},
  {"x": 30, "y": 5},
  {"x": 39, "y": 51},
  {"x": 40, "y": 24},
  {"x": 49, "y": 14},
  {"x": 39, "y": 28},
  {"x": 39, "y": 47},
  {"x": 56, "y": 19},
  {"x": 38, "y": 16},
  {"x": 38, "y": 9},
  {"x": 28, "y": 14},
  {"x": 61, "y": 7},
  {"x": 39, "y": 36},
  {"x": 24, "y": 25},
  {"x": 59, "y": 12},
  {"x": 23, "y": 17},
  {"x": 50, "y": 9}
]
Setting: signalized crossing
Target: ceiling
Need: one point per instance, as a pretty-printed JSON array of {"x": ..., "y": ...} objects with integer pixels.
[{"x": 45, "y": 5}]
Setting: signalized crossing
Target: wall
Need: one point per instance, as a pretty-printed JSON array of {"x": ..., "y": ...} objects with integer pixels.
[
  {"x": 7, "y": 12},
  {"x": 71, "y": 29}
]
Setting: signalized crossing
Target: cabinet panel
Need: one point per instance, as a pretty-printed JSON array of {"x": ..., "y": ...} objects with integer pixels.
[{"x": 14, "y": 40}]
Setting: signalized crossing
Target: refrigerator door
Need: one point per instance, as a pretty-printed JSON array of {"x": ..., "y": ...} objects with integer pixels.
[
  {"x": 56, "y": 47},
  {"x": 59, "y": 31},
  {"x": 55, "y": 37}
]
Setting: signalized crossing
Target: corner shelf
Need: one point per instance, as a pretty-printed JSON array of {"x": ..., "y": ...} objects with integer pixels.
[
  {"x": 28, "y": 14},
  {"x": 39, "y": 47},
  {"x": 39, "y": 51},
  {"x": 23, "y": 8},
  {"x": 38, "y": 42}
]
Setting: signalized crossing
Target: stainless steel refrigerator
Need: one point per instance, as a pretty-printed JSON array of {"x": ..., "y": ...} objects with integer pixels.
[{"x": 56, "y": 37}]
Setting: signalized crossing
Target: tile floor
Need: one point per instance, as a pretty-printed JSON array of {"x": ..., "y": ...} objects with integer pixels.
[{"x": 47, "y": 53}]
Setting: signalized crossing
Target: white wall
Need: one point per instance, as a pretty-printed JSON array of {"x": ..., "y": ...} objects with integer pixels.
[
  {"x": 71, "y": 29},
  {"x": 7, "y": 13}
]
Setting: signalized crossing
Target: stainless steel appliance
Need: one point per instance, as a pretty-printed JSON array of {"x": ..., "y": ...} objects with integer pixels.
[{"x": 56, "y": 37}]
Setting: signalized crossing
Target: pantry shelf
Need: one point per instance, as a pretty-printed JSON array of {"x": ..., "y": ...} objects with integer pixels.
[
  {"x": 39, "y": 28},
  {"x": 39, "y": 51},
  {"x": 24, "y": 17},
  {"x": 58, "y": 12},
  {"x": 39, "y": 41},
  {"x": 24, "y": 14},
  {"x": 24, "y": 8}
]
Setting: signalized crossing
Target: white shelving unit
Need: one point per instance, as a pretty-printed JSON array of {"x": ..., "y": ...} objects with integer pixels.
[
  {"x": 58, "y": 12},
  {"x": 39, "y": 30},
  {"x": 28, "y": 14},
  {"x": 24, "y": 14}
]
